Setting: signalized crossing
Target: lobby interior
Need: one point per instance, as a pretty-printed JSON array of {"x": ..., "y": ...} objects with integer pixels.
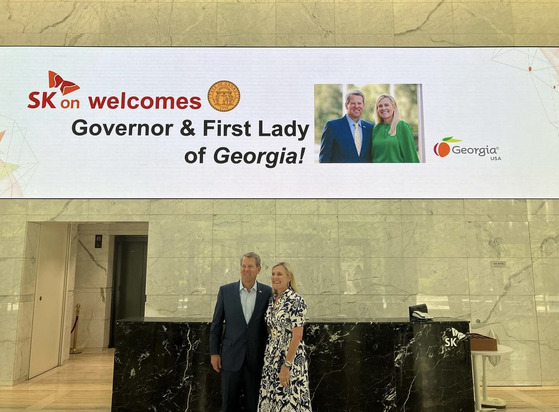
[{"x": 452, "y": 238}]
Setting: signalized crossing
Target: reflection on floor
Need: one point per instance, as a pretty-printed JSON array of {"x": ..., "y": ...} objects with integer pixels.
[
  {"x": 530, "y": 398},
  {"x": 84, "y": 383}
]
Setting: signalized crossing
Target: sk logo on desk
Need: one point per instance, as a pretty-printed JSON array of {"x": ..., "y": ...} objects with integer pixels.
[{"x": 452, "y": 337}]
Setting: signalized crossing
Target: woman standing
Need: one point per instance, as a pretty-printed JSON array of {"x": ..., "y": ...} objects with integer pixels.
[
  {"x": 285, "y": 376},
  {"x": 393, "y": 140}
]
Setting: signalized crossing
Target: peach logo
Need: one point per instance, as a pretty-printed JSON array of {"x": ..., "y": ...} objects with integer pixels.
[
  {"x": 65, "y": 86},
  {"x": 442, "y": 149}
]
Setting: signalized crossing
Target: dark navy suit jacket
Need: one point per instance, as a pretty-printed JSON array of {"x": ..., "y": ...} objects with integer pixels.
[
  {"x": 337, "y": 145},
  {"x": 231, "y": 337}
]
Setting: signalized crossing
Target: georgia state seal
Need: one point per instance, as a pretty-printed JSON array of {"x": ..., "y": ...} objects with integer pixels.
[{"x": 224, "y": 96}]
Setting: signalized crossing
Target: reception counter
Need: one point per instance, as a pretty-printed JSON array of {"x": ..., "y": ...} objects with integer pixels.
[{"x": 163, "y": 364}]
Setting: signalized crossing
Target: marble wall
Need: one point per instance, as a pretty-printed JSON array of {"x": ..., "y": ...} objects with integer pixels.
[
  {"x": 360, "y": 257},
  {"x": 93, "y": 287},
  {"x": 279, "y": 22}
]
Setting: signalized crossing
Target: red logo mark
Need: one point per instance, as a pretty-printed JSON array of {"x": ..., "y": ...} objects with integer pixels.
[
  {"x": 65, "y": 86},
  {"x": 442, "y": 149}
]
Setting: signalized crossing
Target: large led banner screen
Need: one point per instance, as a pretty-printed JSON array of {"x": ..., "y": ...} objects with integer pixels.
[{"x": 279, "y": 122}]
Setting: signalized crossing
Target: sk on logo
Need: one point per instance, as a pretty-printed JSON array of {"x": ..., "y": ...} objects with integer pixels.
[
  {"x": 442, "y": 149},
  {"x": 44, "y": 99}
]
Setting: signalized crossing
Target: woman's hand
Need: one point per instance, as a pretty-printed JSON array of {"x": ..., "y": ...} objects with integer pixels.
[{"x": 284, "y": 376}]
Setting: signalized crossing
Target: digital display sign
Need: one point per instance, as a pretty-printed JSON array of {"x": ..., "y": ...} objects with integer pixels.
[{"x": 110, "y": 122}]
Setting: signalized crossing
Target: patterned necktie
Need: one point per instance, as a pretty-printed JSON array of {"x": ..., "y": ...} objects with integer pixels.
[{"x": 357, "y": 138}]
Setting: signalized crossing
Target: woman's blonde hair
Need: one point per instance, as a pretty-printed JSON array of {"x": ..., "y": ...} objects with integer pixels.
[
  {"x": 289, "y": 270},
  {"x": 395, "y": 117}
]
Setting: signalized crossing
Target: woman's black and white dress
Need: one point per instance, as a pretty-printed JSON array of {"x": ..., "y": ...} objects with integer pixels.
[{"x": 289, "y": 312}]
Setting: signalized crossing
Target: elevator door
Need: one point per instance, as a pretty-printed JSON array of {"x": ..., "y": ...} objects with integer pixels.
[{"x": 129, "y": 279}]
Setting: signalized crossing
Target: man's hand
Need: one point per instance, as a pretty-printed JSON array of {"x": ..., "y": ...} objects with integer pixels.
[{"x": 216, "y": 362}]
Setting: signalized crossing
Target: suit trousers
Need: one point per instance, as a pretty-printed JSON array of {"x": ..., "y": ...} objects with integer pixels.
[{"x": 245, "y": 381}]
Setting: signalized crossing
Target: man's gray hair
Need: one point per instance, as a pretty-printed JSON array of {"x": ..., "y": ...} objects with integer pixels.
[{"x": 252, "y": 255}]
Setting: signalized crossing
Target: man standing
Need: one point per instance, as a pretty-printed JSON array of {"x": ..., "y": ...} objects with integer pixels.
[
  {"x": 238, "y": 335},
  {"x": 348, "y": 139}
]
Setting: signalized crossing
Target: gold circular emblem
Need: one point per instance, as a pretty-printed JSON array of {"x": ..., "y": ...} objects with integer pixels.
[{"x": 224, "y": 96}]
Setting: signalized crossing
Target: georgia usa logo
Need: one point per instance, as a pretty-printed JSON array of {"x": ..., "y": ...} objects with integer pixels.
[{"x": 448, "y": 146}]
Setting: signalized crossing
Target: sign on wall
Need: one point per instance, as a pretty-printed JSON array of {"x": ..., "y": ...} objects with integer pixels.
[{"x": 250, "y": 123}]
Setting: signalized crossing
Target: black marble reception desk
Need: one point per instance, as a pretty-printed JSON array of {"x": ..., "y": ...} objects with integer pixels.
[{"x": 163, "y": 364}]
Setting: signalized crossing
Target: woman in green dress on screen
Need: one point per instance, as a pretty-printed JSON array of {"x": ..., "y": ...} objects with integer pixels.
[{"x": 393, "y": 140}]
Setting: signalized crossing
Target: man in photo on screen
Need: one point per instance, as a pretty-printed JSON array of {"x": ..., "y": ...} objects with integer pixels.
[{"x": 348, "y": 138}]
